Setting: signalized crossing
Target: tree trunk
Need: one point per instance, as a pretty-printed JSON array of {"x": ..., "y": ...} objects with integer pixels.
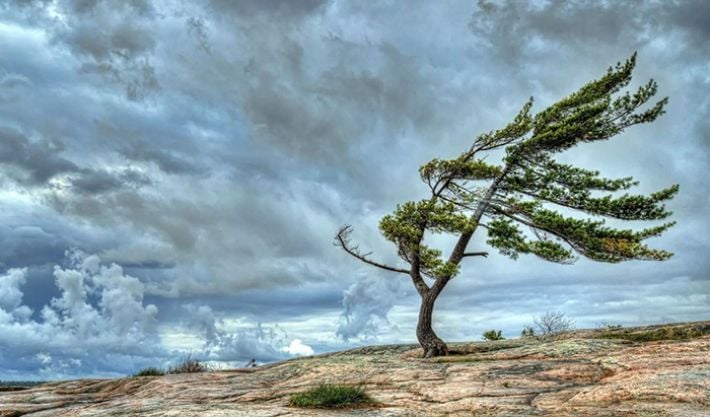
[{"x": 430, "y": 342}]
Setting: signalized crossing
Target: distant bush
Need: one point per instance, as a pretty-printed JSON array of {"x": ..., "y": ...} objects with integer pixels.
[
  {"x": 332, "y": 396},
  {"x": 528, "y": 331},
  {"x": 553, "y": 323},
  {"x": 650, "y": 335},
  {"x": 151, "y": 371},
  {"x": 189, "y": 365},
  {"x": 493, "y": 335},
  {"x": 608, "y": 326},
  {"x": 18, "y": 385}
]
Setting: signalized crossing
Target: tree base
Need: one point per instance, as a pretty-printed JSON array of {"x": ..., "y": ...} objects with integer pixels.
[
  {"x": 431, "y": 343},
  {"x": 434, "y": 349}
]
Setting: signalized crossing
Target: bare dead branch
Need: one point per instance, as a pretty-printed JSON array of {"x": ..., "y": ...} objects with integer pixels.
[{"x": 342, "y": 239}]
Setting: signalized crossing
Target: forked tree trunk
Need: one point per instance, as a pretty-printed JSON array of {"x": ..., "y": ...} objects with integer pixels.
[{"x": 430, "y": 342}]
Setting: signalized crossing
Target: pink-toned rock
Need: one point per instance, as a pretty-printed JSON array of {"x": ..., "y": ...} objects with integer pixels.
[{"x": 579, "y": 375}]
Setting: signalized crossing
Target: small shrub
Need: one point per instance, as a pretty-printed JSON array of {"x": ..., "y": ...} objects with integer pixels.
[
  {"x": 151, "y": 371},
  {"x": 527, "y": 332},
  {"x": 554, "y": 323},
  {"x": 331, "y": 396},
  {"x": 493, "y": 335},
  {"x": 187, "y": 366}
]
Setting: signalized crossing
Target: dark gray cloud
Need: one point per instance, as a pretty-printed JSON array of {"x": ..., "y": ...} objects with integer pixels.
[
  {"x": 96, "y": 182},
  {"x": 11, "y": 86},
  {"x": 31, "y": 163},
  {"x": 35, "y": 163},
  {"x": 29, "y": 245},
  {"x": 283, "y": 9},
  {"x": 113, "y": 41},
  {"x": 212, "y": 148},
  {"x": 511, "y": 27}
]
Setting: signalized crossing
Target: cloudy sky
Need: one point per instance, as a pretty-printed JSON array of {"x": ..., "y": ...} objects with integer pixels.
[{"x": 172, "y": 173}]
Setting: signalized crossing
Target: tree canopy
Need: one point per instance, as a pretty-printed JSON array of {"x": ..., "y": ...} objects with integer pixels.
[
  {"x": 528, "y": 202},
  {"x": 528, "y": 187}
]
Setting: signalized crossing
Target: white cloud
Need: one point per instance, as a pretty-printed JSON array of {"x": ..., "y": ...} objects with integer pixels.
[
  {"x": 366, "y": 304},
  {"x": 297, "y": 348},
  {"x": 10, "y": 293},
  {"x": 99, "y": 317}
]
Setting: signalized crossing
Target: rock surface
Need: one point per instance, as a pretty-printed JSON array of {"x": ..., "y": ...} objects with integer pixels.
[{"x": 579, "y": 375}]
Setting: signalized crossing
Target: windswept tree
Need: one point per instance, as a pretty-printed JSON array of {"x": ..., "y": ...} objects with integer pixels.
[{"x": 528, "y": 203}]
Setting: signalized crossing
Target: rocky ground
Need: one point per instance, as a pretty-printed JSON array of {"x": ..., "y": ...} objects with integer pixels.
[{"x": 578, "y": 375}]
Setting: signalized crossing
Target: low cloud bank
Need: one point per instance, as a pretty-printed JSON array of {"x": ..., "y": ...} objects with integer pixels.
[
  {"x": 229, "y": 343},
  {"x": 100, "y": 325}
]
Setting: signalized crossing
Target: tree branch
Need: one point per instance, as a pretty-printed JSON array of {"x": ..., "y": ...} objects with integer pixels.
[
  {"x": 416, "y": 270},
  {"x": 418, "y": 281},
  {"x": 484, "y": 254},
  {"x": 342, "y": 239},
  {"x": 460, "y": 248},
  {"x": 533, "y": 226}
]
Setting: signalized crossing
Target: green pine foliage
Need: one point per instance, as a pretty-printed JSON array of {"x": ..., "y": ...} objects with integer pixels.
[
  {"x": 493, "y": 335},
  {"x": 527, "y": 332},
  {"x": 526, "y": 203}
]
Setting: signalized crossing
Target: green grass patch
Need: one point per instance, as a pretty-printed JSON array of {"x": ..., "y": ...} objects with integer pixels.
[
  {"x": 332, "y": 396},
  {"x": 151, "y": 371}
]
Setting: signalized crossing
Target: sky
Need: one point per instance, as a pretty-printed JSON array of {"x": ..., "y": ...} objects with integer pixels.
[{"x": 173, "y": 172}]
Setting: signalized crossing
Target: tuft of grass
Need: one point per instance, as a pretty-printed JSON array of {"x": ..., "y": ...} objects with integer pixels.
[
  {"x": 332, "y": 396},
  {"x": 187, "y": 366},
  {"x": 151, "y": 371},
  {"x": 650, "y": 335}
]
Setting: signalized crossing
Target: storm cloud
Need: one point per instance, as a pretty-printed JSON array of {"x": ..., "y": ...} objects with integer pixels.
[{"x": 206, "y": 152}]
